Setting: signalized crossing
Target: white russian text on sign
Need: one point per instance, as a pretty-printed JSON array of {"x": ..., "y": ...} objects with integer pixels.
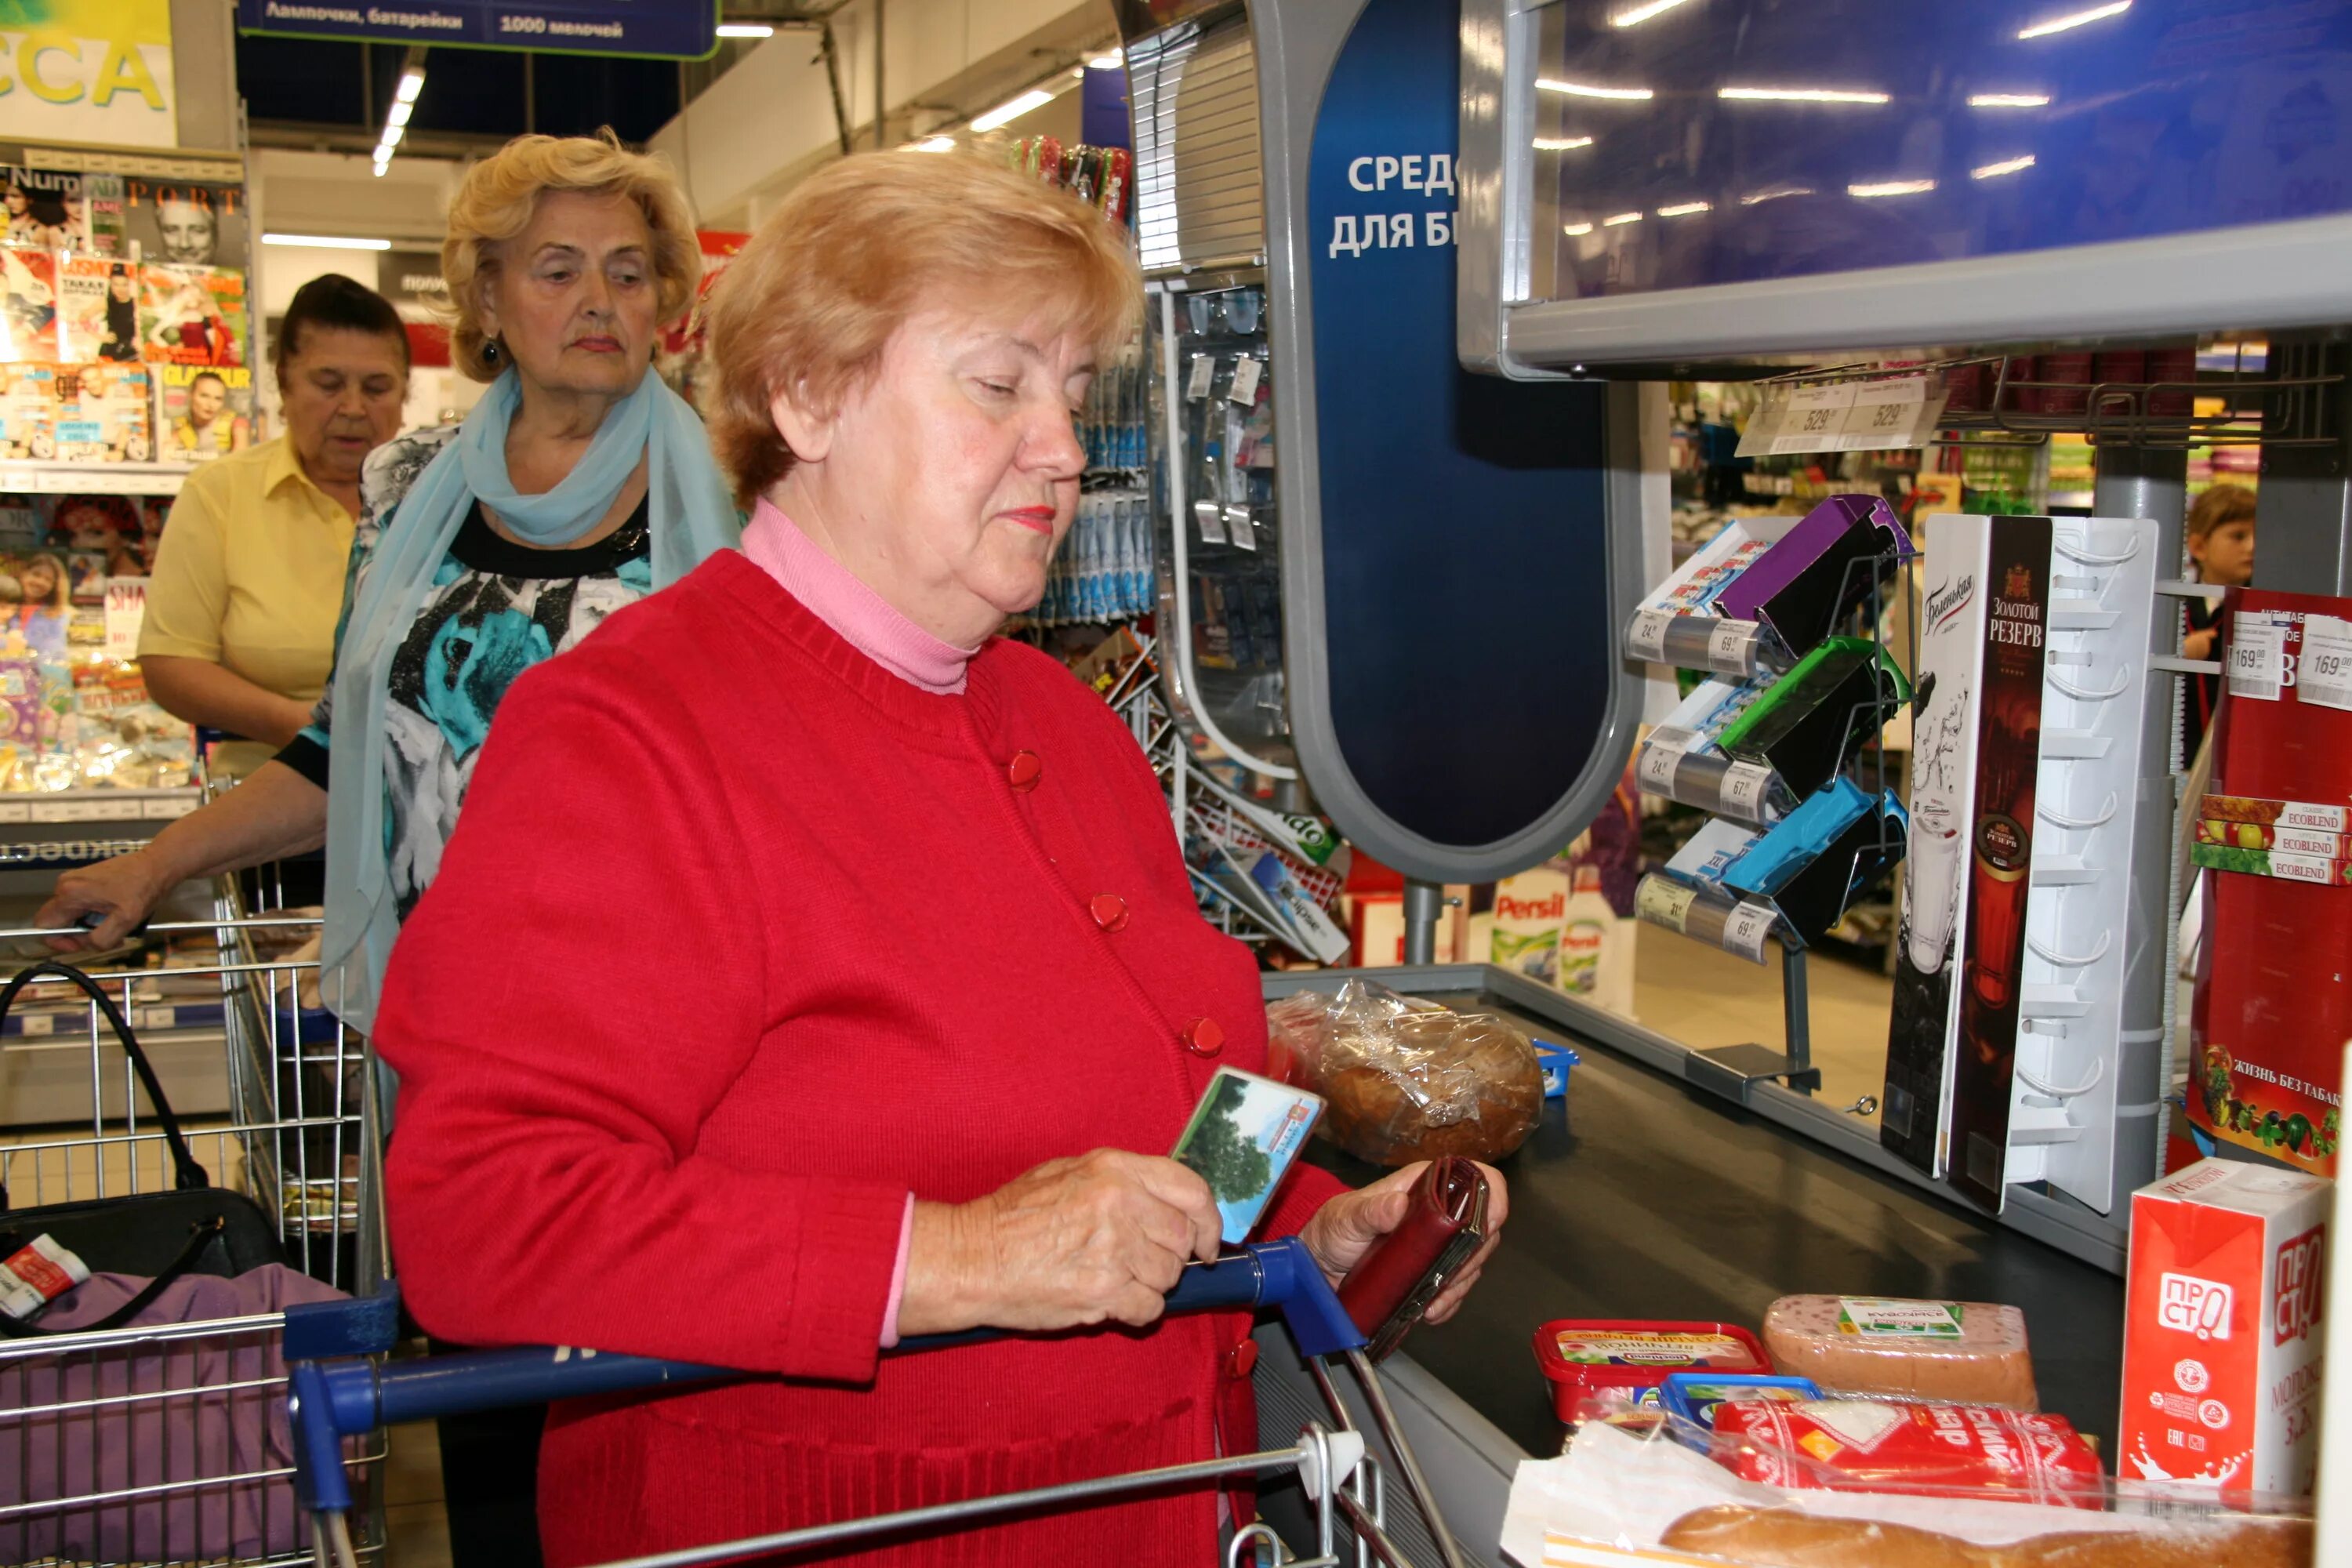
[{"x": 126, "y": 608}]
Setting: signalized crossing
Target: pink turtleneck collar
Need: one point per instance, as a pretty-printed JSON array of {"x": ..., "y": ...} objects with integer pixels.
[{"x": 864, "y": 620}]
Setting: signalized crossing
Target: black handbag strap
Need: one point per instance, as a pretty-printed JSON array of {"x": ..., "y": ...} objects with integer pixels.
[
  {"x": 201, "y": 1235},
  {"x": 187, "y": 1175}
]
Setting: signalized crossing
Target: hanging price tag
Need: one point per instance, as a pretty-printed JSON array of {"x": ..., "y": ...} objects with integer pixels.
[
  {"x": 1813, "y": 420},
  {"x": 2325, "y": 676},
  {"x": 1662, "y": 754},
  {"x": 1886, "y": 414},
  {"x": 1746, "y": 929},
  {"x": 2257, "y": 668},
  {"x": 1664, "y": 903},
  {"x": 1211, "y": 519},
  {"x": 1246, "y": 371},
  {"x": 1205, "y": 370},
  {"x": 1645, "y": 638},
  {"x": 1744, "y": 786},
  {"x": 1242, "y": 527},
  {"x": 1728, "y": 646}
]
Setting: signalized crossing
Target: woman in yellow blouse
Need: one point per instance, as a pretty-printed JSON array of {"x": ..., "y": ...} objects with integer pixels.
[{"x": 240, "y": 626}]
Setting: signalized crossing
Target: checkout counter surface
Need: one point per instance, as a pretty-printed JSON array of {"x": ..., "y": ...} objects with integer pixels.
[{"x": 1642, "y": 1197}]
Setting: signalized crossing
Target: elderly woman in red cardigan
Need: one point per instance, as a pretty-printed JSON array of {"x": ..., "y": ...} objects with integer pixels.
[{"x": 812, "y": 966}]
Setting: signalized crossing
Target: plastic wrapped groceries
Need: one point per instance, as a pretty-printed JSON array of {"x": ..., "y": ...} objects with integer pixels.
[
  {"x": 1970, "y": 1352},
  {"x": 1405, "y": 1079}
]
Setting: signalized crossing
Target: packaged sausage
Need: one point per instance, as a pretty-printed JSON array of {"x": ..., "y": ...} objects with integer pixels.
[
  {"x": 1861, "y": 1445},
  {"x": 1964, "y": 1353},
  {"x": 1598, "y": 1364}
]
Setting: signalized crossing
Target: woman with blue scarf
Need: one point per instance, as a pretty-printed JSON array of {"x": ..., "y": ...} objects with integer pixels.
[{"x": 579, "y": 484}]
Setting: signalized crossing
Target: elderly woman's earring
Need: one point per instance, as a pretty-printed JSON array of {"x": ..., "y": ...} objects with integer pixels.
[{"x": 492, "y": 350}]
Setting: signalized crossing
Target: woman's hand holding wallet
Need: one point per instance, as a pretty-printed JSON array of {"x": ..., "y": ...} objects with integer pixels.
[
  {"x": 1345, "y": 1229},
  {"x": 1099, "y": 1238}
]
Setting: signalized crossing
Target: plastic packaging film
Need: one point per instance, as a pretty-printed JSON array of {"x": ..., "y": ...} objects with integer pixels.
[{"x": 1967, "y": 1352}]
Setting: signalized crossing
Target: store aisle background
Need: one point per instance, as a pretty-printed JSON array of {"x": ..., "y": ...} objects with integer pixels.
[{"x": 413, "y": 1516}]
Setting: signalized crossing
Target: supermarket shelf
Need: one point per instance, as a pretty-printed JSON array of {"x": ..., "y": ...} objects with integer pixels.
[
  {"x": 93, "y": 478},
  {"x": 100, "y": 806}
]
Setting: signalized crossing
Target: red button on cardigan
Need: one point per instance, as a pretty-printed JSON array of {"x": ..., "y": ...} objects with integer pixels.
[
  {"x": 1203, "y": 1038},
  {"x": 1109, "y": 912},
  {"x": 1024, "y": 771}
]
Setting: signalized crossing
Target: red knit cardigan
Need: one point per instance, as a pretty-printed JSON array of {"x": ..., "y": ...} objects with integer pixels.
[{"x": 741, "y": 939}]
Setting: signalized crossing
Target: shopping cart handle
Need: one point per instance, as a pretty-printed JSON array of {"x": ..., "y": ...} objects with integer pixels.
[{"x": 333, "y": 1399}]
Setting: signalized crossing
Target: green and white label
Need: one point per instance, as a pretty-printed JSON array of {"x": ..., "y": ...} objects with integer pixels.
[{"x": 1873, "y": 1318}]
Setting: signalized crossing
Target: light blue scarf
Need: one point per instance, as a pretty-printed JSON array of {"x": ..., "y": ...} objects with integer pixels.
[{"x": 691, "y": 515}]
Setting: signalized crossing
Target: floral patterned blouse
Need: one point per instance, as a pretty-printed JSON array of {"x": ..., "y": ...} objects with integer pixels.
[{"x": 495, "y": 609}]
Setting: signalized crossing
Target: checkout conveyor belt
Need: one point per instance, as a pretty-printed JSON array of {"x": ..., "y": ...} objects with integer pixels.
[{"x": 1640, "y": 1196}]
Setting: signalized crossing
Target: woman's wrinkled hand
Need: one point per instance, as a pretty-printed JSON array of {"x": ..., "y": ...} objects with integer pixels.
[
  {"x": 123, "y": 890},
  {"x": 1099, "y": 1238},
  {"x": 1344, "y": 1229}
]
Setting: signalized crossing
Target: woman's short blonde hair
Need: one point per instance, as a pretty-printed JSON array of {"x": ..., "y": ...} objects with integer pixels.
[
  {"x": 500, "y": 194},
  {"x": 865, "y": 243}
]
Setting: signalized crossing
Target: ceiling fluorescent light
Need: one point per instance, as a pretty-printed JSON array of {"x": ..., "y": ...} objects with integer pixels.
[
  {"x": 2075, "y": 19},
  {"x": 2008, "y": 166},
  {"x": 2009, "y": 100},
  {"x": 1685, "y": 209},
  {"x": 1576, "y": 228},
  {"x": 1774, "y": 193},
  {"x": 1561, "y": 143},
  {"x": 1620, "y": 220},
  {"x": 1634, "y": 15},
  {"x": 1800, "y": 95},
  {"x": 1586, "y": 89},
  {"x": 327, "y": 241},
  {"x": 1033, "y": 98},
  {"x": 1110, "y": 61},
  {"x": 746, "y": 30},
  {"x": 934, "y": 144},
  {"x": 392, "y": 135},
  {"x": 398, "y": 114},
  {"x": 411, "y": 84},
  {"x": 1891, "y": 188}
]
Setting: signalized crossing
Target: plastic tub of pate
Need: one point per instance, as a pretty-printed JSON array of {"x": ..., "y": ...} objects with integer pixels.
[
  {"x": 1607, "y": 1361},
  {"x": 1964, "y": 1353}
]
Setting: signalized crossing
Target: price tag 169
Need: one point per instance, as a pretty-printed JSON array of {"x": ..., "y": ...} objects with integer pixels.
[{"x": 2326, "y": 675}]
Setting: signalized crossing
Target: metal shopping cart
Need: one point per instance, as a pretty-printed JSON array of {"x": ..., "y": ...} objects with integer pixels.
[
  {"x": 167, "y": 1441},
  {"x": 341, "y": 1389}
]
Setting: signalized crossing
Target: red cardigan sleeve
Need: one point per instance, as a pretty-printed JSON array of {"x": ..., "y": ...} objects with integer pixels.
[{"x": 555, "y": 1064}]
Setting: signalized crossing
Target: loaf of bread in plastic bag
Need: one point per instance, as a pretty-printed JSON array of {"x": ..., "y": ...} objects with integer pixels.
[
  {"x": 1405, "y": 1079},
  {"x": 1954, "y": 1352},
  {"x": 1790, "y": 1538}
]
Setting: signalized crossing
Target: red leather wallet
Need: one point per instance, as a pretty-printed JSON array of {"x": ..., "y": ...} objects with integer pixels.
[{"x": 1396, "y": 1279}]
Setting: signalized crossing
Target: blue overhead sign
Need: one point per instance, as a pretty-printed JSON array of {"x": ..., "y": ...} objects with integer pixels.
[{"x": 681, "y": 29}]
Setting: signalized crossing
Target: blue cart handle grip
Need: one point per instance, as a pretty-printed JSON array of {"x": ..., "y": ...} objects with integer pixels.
[{"x": 330, "y": 1400}]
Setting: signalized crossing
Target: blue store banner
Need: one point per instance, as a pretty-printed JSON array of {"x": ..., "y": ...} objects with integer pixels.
[
  {"x": 1463, "y": 531},
  {"x": 681, "y": 29}
]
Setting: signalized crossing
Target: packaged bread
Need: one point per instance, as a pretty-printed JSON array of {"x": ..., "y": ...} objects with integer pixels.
[
  {"x": 1960, "y": 1352},
  {"x": 1862, "y": 1445},
  {"x": 1790, "y": 1538},
  {"x": 1405, "y": 1079}
]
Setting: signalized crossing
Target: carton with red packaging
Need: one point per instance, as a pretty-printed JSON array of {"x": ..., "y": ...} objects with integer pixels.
[
  {"x": 2223, "y": 1328},
  {"x": 1867, "y": 1443},
  {"x": 2271, "y": 1008}
]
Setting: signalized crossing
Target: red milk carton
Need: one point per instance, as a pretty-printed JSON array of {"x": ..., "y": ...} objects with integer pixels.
[{"x": 2223, "y": 1330}]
